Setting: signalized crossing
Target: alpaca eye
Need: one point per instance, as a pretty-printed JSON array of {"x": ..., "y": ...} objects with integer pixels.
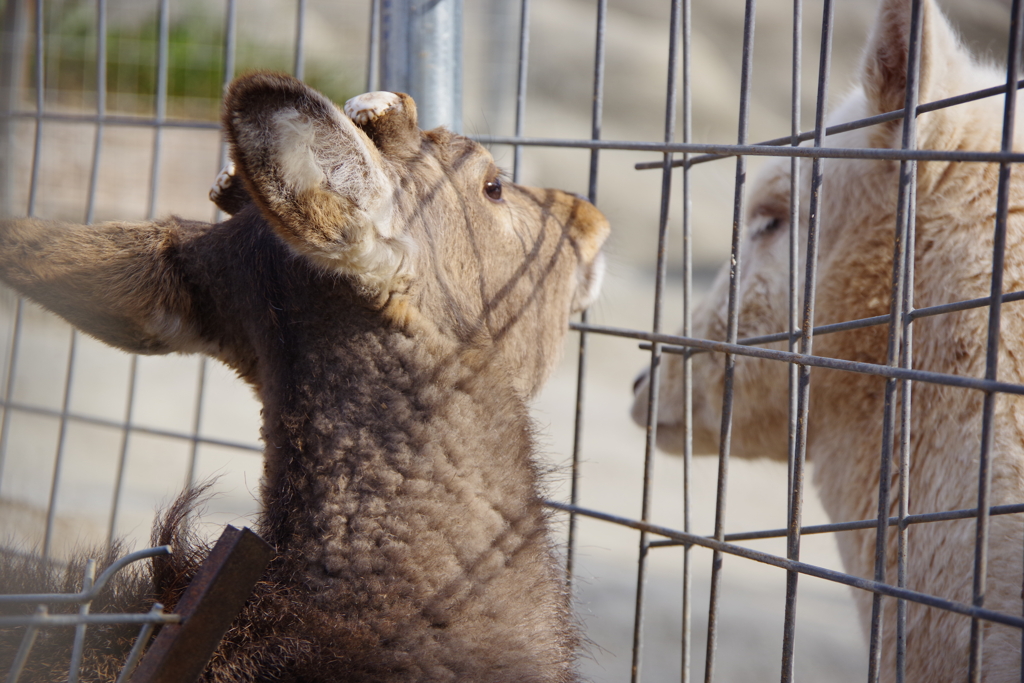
[
  {"x": 492, "y": 188},
  {"x": 768, "y": 226}
]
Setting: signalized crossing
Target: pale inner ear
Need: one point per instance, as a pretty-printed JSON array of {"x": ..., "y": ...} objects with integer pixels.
[
  {"x": 334, "y": 197},
  {"x": 337, "y": 157},
  {"x": 296, "y": 140}
]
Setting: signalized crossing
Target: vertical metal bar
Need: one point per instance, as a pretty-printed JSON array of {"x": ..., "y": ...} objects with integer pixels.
[
  {"x": 197, "y": 419},
  {"x": 394, "y": 46},
  {"x": 806, "y": 339},
  {"x": 798, "y": 410},
  {"x": 137, "y": 647},
  {"x": 58, "y": 465},
  {"x": 12, "y": 67},
  {"x": 162, "y": 67},
  {"x": 122, "y": 462},
  {"x": 906, "y": 394},
  {"x": 904, "y": 223},
  {"x": 33, "y": 194},
  {"x": 725, "y": 442},
  {"x": 524, "y": 56},
  {"x": 162, "y": 58},
  {"x": 500, "y": 28},
  {"x": 101, "y": 105},
  {"x": 421, "y": 54},
  {"x": 12, "y": 364},
  {"x": 299, "y": 68},
  {"x": 671, "y": 108},
  {"x": 909, "y": 218},
  {"x": 230, "y": 40},
  {"x": 992, "y": 346},
  {"x": 78, "y": 647},
  {"x": 596, "y": 119},
  {"x": 373, "y": 60},
  {"x": 577, "y": 447},
  {"x": 33, "y": 190},
  {"x": 794, "y": 241},
  {"x": 101, "y": 110},
  {"x": 33, "y": 185},
  {"x": 686, "y": 649},
  {"x": 25, "y": 649}
]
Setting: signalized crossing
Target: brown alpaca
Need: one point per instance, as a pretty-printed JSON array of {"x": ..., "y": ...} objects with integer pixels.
[{"x": 394, "y": 304}]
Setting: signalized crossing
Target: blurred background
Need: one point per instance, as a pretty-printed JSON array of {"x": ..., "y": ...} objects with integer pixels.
[{"x": 167, "y": 396}]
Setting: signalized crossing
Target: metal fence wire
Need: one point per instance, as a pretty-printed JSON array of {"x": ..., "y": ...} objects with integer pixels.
[
  {"x": 91, "y": 587},
  {"x": 39, "y": 111}
]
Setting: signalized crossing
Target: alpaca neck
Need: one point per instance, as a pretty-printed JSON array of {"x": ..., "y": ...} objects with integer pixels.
[
  {"x": 401, "y": 485},
  {"x": 388, "y": 439}
]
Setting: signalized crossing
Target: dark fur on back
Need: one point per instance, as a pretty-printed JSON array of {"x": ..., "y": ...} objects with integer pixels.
[{"x": 256, "y": 648}]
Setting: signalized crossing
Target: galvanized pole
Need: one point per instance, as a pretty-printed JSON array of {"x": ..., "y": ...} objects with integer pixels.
[{"x": 421, "y": 54}]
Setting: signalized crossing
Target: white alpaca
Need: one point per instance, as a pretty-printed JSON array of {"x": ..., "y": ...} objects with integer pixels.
[{"x": 955, "y": 217}]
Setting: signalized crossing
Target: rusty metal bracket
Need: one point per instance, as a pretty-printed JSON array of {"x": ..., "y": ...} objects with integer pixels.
[{"x": 212, "y": 601}]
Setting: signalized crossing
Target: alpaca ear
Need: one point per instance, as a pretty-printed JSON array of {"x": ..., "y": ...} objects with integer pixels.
[
  {"x": 130, "y": 285},
  {"x": 389, "y": 119},
  {"x": 318, "y": 178},
  {"x": 944, "y": 62},
  {"x": 229, "y": 192}
]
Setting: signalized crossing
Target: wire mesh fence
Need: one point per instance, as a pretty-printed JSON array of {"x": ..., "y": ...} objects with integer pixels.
[
  {"x": 188, "y": 636},
  {"x": 104, "y": 111},
  {"x": 91, "y": 587}
]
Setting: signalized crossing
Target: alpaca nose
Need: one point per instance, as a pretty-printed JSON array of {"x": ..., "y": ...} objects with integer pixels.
[{"x": 641, "y": 376}]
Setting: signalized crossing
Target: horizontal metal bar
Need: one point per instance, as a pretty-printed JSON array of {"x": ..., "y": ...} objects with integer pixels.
[
  {"x": 761, "y": 150},
  {"x": 719, "y": 150},
  {"x": 812, "y": 361},
  {"x": 850, "y": 125},
  {"x": 45, "y": 620},
  {"x": 107, "y": 120},
  {"x": 796, "y": 566},
  {"x": 963, "y": 305},
  {"x": 716, "y": 151},
  {"x": 36, "y": 410},
  {"x": 97, "y": 586},
  {"x": 950, "y": 515},
  {"x": 863, "y": 322}
]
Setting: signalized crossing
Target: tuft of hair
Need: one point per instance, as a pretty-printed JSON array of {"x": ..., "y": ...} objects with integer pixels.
[
  {"x": 176, "y": 527},
  {"x": 133, "y": 590},
  {"x": 106, "y": 646}
]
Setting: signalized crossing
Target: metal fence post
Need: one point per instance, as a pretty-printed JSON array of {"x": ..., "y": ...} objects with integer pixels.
[
  {"x": 421, "y": 54},
  {"x": 12, "y": 64}
]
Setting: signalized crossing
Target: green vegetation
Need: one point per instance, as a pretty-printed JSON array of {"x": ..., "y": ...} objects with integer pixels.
[{"x": 195, "y": 61}]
